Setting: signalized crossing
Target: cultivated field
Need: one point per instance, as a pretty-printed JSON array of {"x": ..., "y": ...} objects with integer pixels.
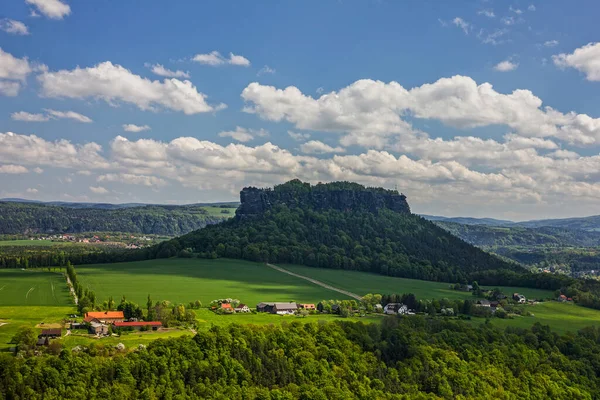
[
  {"x": 29, "y": 243},
  {"x": 185, "y": 280},
  {"x": 32, "y": 288},
  {"x": 363, "y": 283}
]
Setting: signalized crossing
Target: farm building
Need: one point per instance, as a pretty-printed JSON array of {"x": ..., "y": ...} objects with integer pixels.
[
  {"x": 50, "y": 333},
  {"x": 277, "y": 308},
  {"x": 483, "y": 303},
  {"x": 395, "y": 308},
  {"x": 519, "y": 298},
  {"x": 138, "y": 325},
  {"x": 308, "y": 307},
  {"x": 226, "y": 307},
  {"x": 97, "y": 328},
  {"x": 105, "y": 317},
  {"x": 242, "y": 308}
]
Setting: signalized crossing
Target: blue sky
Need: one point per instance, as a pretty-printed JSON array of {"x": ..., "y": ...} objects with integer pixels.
[{"x": 445, "y": 100}]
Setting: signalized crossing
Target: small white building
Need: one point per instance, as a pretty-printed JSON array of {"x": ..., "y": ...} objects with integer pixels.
[
  {"x": 284, "y": 308},
  {"x": 242, "y": 308}
]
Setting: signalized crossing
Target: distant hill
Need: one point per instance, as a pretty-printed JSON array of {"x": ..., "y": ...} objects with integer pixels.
[
  {"x": 484, "y": 235},
  {"x": 338, "y": 225},
  {"x": 108, "y": 206},
  {"x": 468, "y": 220},
  {"x": 36, "y": 217}
]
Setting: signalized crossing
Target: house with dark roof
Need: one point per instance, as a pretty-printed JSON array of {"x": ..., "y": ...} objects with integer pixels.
[
  {"x": 97, "y": 328},
  {"x": 277, "y": 308},
  {"x": 50, "y": 333},
  {"x": 241, "y": 308},
  {"x": 483, "y": 303}
]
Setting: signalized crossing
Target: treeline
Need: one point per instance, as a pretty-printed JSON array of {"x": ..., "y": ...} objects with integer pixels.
[
  {"x": 414, "y": 357},
  {"x": 385, "y": 242},
  {"x": 20, "y": 218}
]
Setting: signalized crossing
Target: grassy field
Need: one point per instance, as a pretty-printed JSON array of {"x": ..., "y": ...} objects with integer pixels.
[
  {"x": 32, "y": 288},
  {"x": 12, "y": 318},
  {"x": 30, "y": 243},
  {"x": 185, "y": 280},
  {"x": 561, "y": 317},
  {"x": 215, "y": 211},
  {"x": 362, "y": 283}
]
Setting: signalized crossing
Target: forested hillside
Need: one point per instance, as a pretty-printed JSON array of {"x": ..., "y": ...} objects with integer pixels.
[
  {"x": 405, "y": 358},
  {"x": 483, "y": 235},
  {"x": 23, "y": 218},
  {"x": 346, "y": 234}
]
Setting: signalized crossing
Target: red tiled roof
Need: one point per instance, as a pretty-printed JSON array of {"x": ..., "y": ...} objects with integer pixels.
[
  {"x": 139, "y": 323},
  {"x": 102, "y": 315},
  {"x": 225, "y": 305}
]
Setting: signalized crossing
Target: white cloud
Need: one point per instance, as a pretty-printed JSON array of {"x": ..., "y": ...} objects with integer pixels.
[
  {"x": 320, "y": 90},
  {"x": 265, "y": 70},
  {"x": 13, "y": 27},
  {"x": 160, "y": 70},
  {"x": 214, "y": 58},
  {"x": 135, "y": 128},
  {"x": 98, "y": 190},
  {"x": 494, "y": 38},
  {"x": 585, "y": 59},
  {"x": 297, "y": 136},
  {"x": 38, "y": 170},
  {"x": 50, "y": 114},
  {"x": 531, "y": 7},
  {"x": 13, "y": 68},
  {"x": 68, "y": 115},
  {"x": 508, "y": 20},
  {"x": 370, "y": 111},
  {"x": 317, "y": 147},
  {"x": 462, "y": 24},
  {"x": 486, "y": 13},
  {"x": 32, "y": 190},
  {"x": 515, "y": 10},
  {"x": 54, "y": 9},
  {"x": 114, "y": 83},
  {"x": 244, "y": 135},
  {"x": 131, "y": 179},
  {"x": 551, "y": 43},
  {"x": 29, "y": 117},
  {"x": 506, "y": 66},
  {"x": 8, "y": 88},
  {"x": 12, "y": 169}
]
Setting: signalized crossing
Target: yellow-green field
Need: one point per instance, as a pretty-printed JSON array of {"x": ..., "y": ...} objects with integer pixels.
[{"x": 32, "y": 288}]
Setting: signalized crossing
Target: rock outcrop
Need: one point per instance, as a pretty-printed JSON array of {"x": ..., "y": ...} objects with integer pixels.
[{"x": 336, "y": 195}]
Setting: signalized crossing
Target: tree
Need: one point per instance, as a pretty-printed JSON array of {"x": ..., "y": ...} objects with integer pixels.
[{"x": 25, "y": 339}]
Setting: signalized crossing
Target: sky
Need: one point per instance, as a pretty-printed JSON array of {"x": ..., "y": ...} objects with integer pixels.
[{"x": 485, "y": 108}]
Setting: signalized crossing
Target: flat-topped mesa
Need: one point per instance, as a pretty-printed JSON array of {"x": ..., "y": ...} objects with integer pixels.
[{"x": 337, "y": 195}]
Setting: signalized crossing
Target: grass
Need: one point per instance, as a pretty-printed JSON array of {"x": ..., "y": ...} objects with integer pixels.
[
  {"x": 30, "y": 243},
  {"x": 32, "y": 288},
  {"x": 215, "y": 211},
  {"x": 186, "y": 280},
  {"x": 14, "y": 318},
  {"x": 561, "y": 317},
  {"x": 362, "y": 283}
]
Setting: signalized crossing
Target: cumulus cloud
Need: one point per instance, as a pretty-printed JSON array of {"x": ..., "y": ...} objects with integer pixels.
[
  {"x": 506, "y": 66},
  {"x": 13, "y": 169},
  {"x": 98, "y": 190},
  {"x": 13, "y": 27},
  {"x": 13, "y": 71},
  {"x": 462, "y": 24},
  {"x": 132, "y": 179},
  {"x": 50, "y": 114},
  {"x": 32, "y": 190},
  {"x": 244, "y": 135},
  {"x": 585, "y": 59},
  {"x": 265, "y": 70},
  {"x": 160, "y": 70},
  {"x": 298, "y": 136},
  {"x": 8, "y": 88},
  {"x": 370, "y": 111},
  {"x": 54, "y": 9},
  {"x": 214, "y": 58},
  {"x": 135, "y": 128},
  {"x": 114, "y": 83},
  {"x": 317, "y": 147}
]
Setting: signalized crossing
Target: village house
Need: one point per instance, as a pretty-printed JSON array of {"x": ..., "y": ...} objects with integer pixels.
[
  {"x": 138, "y": 325},
  {"x": 562, "y": 297},
  {"x": 105, "y": 317},
  {"x": 242, "y": 308},
  {"x": 309, "y": 307},
  {"x": 395, "y": 308},
  {"x": 519, "y": 298},
  {"x": 51, "y": 333},
  {"x": 277, "y": 308},
  {"x": 226, "y": 307},
  {"x": 97, "y": 328},
  {"x": 483, "y": 303}
]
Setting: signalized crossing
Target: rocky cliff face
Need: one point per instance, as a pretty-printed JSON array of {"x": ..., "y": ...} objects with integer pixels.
[{"x": 256, "y": 201}]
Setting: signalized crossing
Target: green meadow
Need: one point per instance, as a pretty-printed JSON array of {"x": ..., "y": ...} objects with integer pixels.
[
  {"x": 32, "y": 288},
  {"x": 362, "y": 283},
  {"x": 186, "y": 280},
  {"x": 29, "y": 243}
]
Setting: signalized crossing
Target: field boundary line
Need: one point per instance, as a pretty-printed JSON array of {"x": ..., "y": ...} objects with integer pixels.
[
  {"x": 2, "y": 287},
  {"x": 316, "y": 282},
  {"x": 29, "y": 291}
]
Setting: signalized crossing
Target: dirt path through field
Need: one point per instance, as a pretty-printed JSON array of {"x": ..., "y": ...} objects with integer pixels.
[{"x": 316, "y": 282}]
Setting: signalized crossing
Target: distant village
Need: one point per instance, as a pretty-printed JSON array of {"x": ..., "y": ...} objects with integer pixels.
[{"x": 128, "y": 241}]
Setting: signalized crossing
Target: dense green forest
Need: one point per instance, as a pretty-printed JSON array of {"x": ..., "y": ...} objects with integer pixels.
[
  {"x": 405, "y": 358},
  {"x": 385, "y": 242},
  {"x": 20, "y": 218}
]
